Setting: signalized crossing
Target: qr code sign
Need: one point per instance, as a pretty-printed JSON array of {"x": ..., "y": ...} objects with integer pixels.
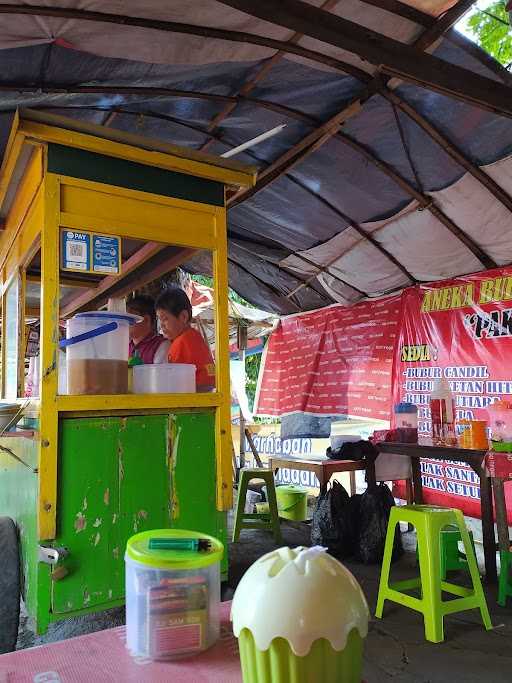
[{"x": 76, "y": 251}]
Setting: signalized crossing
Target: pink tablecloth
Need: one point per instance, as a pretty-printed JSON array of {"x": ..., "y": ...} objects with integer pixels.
[{"x": 101, "y": 657}]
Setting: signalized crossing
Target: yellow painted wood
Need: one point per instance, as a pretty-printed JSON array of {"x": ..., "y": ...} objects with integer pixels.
[
  {"x": 21, "y": 206},
  {"x": 223, "y": 444},
  {"x": 92, "y": 206},
  {"x": 212, "y": 168},
  {"x": 11, "y": 155},
  {"x": 137, "y": 401},
  {"x": 47, "y": 499}
]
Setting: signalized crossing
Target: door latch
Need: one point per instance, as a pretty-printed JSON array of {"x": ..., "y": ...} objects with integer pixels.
[{"x": 52, "y": 555}]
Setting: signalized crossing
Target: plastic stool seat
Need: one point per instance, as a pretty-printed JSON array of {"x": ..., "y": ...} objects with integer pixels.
[
  {"x": 257, "y": 520},
  {"x": 429, "y": 522}
]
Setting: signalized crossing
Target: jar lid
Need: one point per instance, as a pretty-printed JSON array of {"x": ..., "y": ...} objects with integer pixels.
[
  {"x": 406, "y": 408},
  {"x": 291, "y": 488},
  {"x": 137, "y": 549},
  {"x": 108, "y": 315}
]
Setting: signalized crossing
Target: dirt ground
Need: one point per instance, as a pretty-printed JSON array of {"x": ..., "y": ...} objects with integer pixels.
[{"x": 395, "y": 650}]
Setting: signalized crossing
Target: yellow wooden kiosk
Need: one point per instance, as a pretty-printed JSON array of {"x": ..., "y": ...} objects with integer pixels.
[{"x": 81, "y": 473}]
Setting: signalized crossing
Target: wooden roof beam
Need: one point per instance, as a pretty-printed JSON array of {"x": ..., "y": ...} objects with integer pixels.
[
  {"x": 249, "y": 85},
  {"x": 448, "y": 146},
  {"x": 391, "y": 56},
  {"x": 424, "y": 201},
  {"x": 81, "y": 300},
  {"x": 187, "y": 29}
]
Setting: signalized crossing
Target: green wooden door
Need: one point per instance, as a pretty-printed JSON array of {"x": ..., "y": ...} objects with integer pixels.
[{"x": 113, "y": 482}]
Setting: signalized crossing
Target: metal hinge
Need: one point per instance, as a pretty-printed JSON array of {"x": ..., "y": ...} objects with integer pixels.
[{"x": 52, "y": 555}]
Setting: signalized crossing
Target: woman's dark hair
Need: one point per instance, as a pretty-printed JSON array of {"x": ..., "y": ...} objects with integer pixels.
[
  {"x": 174, "y": 301},
  {"x": 142, "y": 305}
]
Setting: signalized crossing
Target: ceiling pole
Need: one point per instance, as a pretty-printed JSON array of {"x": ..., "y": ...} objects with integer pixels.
[
  {"x": 262, "y": 282},
  {"x": 458, "y": 156},
  {"x": 358, "y": 228},
  {"x": 323, "y": 295},
  {"x": 186, "y": 29},
  {"x": 391, "y": 56},
  {"x": 249, "y": 85},
  {"x": 323, "y": 269},
  {"x": 425, "y": 201}
]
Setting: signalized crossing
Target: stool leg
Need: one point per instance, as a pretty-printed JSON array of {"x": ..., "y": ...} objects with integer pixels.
[
  {"x": 429, "y": 543},
  {"x": 473, "y": 570},
  {"x": 386, "y": 563},
  {"x": 240, "y": 505},
  {"x": 274, "y": 513},
  {"x": 503, "y": 583}
]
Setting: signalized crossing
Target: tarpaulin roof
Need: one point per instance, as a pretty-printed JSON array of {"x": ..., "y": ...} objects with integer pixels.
[{"x": 380, "y": 178}]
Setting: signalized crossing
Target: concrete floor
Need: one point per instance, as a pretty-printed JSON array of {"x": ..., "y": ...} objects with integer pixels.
[{"x": 395, "y": 649}]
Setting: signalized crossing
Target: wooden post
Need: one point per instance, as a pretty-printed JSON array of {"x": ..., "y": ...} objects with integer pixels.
[{"x": 242, "y": 346}]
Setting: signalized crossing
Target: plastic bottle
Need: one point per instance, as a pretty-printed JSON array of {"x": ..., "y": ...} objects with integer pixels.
[
  {"x": 442, "y": 409},
  {"x": 132, "y": 362}
]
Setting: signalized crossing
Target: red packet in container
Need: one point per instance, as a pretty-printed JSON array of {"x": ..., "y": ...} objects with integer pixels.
[{"x": 177, "y": 617}]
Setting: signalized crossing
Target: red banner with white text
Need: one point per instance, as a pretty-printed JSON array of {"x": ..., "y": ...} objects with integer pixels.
[
  {"x": 460, "y": 330},
  {"x": 335, "y": 361}
]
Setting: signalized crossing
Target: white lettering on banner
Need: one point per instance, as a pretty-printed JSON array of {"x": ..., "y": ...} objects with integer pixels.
[{"x": 466, "y": 372}]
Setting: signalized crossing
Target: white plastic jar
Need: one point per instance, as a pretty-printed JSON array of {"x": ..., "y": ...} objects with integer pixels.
[{"x": 172, "y": 593}]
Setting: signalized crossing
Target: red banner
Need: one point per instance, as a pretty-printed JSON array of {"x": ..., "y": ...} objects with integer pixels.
[
  {"x": 460, "y": 330},
  {"x": 335, "y": 361}
]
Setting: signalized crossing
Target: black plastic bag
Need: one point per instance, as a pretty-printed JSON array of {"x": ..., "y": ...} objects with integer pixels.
[
  {"x": 374, "y": 508},
  {"x": 351, "y": 450},
  {"x": 332, "y": 524}
]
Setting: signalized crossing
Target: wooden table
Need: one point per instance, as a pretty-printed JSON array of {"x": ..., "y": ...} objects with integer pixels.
[
  {"x": 324, "y": 468},
  {"x": 476, "y": 460}
]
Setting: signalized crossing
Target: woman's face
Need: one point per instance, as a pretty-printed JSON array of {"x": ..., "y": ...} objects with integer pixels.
[{"x": 171, "y": 325}]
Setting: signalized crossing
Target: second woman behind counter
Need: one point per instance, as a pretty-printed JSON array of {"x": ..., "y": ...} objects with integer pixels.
[{"x": 144, "y": 339}]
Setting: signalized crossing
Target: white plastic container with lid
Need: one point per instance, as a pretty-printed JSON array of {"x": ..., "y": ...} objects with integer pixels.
[
  {"x": 172, "y": 593},
  {"x": 97, "y": 345},
  {"x": 164, "y": 378},
  {"x": 406, "y": 416}
]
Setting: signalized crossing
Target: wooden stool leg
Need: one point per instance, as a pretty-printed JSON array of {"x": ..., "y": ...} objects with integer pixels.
[
  {"x": 274, "y": 513},
  {"x": 240, "y": 505},
  {"x": 352, "y": 476}
]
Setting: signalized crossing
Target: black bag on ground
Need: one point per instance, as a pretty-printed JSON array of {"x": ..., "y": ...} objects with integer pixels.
[
  {"x": 374, "y": 508},
  {"x": 332, "y": 524}
]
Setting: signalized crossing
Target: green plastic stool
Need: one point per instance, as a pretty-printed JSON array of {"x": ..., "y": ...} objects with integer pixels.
[
  {"x": 451, "y": 557},
  {"x": 429, "y": 522},
  {"x": 257, "y": 520},
  {"x": 505, "y": 584}
]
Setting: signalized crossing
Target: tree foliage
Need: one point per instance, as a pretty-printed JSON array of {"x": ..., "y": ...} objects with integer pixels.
[{"x": 491, "y": 29}]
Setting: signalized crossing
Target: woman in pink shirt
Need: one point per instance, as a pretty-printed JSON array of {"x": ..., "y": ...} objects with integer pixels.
[{"x": 150, "y": 346}]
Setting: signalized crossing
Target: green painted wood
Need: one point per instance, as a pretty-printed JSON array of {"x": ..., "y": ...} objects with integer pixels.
[
  {"x": 113, "y": 482},
  {"x": 101, "y": 168},
  {"x": 18, "y": 500},
  {"x": 193, "y": 477},
  {"x": 117, "y": 476}
]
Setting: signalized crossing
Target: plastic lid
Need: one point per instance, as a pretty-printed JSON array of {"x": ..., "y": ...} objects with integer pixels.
[
  {"x": 292, "y": 488},
  {"x": 137, "y": 549},
  {"x": 301, "y": 595},
  {"x": 108, "y": 315},
  {"x": 406, "y": 408}
]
